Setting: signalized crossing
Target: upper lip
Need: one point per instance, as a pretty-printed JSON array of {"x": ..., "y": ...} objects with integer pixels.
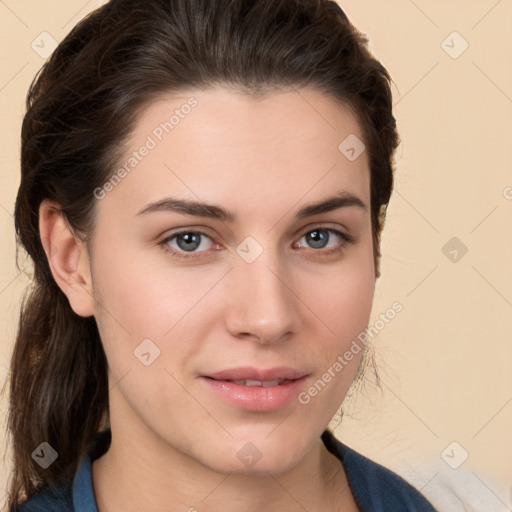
[{"x": 251, "y": 373}]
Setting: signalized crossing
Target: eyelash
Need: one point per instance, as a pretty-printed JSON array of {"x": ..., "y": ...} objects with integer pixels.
[{"x": 346, "y": 239}]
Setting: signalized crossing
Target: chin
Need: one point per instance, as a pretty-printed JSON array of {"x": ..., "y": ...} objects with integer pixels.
[
  {"x": 273, "y": 465},
  {"x": 258, "y": 454}
]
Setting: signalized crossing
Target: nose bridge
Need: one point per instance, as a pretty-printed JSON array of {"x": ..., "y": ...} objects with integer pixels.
[{"x": 262, "y": 303}]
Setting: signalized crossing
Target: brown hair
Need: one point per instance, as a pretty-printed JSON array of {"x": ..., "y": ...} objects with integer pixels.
[{"x": 83, "y": 104}]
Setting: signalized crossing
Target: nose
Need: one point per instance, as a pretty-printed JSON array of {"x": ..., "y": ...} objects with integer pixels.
[{"x": 261, "y": 303}]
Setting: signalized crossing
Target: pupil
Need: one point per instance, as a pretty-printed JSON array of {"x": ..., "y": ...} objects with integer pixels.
[
  {"x": 188, "y": 238},
  {"x": 318, "y": 238}
]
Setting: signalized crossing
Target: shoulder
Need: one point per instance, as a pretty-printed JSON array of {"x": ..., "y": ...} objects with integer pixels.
[
  {"x": 381, "y": 488},
  {"x": 376, "y": 487},
  {"x": 50, "y": 500}
]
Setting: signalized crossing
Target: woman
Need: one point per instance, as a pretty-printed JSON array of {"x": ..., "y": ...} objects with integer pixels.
[{"x": 203, "y": 191}]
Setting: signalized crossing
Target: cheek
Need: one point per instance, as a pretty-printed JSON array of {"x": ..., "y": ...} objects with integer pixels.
[
  {"x": 344, "y": 310},
  {"x": 343, "y": 297},
  {"x": 143, "y": 298},
  {"x": 342, "y": 307},
  {"x": 144, "y": 316},
  {"x": 346, "y": 301},
  {"x": 142, "y": 295}
]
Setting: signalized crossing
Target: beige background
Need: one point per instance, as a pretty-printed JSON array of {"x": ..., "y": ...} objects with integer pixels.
[{"x": 446, "y": 359}]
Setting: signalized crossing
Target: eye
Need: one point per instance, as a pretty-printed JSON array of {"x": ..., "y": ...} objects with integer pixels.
[
  {"x": 319, "y": 238},
  {"x": 191, "y": 244},
  {"x": 187, "y": 243}
]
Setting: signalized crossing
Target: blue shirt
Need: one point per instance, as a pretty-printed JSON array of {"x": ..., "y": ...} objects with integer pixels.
[{"x": 375, "y": 488}]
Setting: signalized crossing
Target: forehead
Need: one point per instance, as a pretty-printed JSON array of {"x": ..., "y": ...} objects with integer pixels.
[
  {"x": 291, "y": 115},
  {"x": 221, "y": 145}
]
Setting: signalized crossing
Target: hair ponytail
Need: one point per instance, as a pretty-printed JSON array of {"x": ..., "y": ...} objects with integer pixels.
[{"x": 58, "y": 389}]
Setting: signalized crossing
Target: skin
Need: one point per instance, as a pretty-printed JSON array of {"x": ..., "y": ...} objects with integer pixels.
[{"x": 175, "y": 443}]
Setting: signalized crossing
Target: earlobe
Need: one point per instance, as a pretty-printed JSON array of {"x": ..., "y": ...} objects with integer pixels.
[{"x": 67, "y": 258}]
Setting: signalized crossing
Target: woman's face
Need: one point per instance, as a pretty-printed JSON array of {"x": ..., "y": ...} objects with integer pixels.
[{"x": 202, "y": 263}]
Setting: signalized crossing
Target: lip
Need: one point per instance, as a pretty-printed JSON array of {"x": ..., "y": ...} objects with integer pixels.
[
  {"x": 249, "y": 372},
  {"x": 255, "y": 398}
]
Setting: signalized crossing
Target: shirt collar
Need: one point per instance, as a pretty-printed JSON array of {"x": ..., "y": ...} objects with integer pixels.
[
  {"x": 83, "y": 494},
  {"x": 83, "y": 490}
]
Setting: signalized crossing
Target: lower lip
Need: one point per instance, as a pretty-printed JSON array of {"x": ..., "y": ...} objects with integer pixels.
[{"x": 256, "y": 398}]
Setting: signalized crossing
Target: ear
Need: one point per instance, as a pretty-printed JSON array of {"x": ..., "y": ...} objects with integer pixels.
[{"x": 67, "y": 257}]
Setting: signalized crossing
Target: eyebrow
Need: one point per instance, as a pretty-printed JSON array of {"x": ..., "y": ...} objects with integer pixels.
[{"x": 198, "y": 209}]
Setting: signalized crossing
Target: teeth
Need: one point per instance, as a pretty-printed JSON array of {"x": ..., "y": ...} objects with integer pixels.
[{"x": 265, "y": 384}]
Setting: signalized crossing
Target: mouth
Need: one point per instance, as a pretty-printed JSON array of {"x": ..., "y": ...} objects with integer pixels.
[
  {"x": 253, "y": 382},
  {"x": 258, "y": 376},
  {"x": 254, "y": 394}
]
